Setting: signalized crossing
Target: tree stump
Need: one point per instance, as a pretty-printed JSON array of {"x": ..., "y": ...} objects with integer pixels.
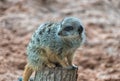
[{"x": 56, "y": 74}]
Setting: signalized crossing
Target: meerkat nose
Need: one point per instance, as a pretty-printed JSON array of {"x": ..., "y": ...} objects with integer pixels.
[{"x": 80, "y": 29}]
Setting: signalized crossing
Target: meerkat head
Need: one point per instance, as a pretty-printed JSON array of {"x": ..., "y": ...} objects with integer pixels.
[{"x": 71, "y": 27}]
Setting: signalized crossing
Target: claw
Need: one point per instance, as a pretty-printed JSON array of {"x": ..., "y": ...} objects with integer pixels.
[
  {"x": 76, "y": 67},
  {"x": 51, "y": 65},
  {"x": 72, "y": 67}
]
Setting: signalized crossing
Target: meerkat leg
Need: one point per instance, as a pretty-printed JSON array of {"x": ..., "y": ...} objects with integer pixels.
[
  {"x": 69, "y": 59},
  {"x": 27, "y": 73},
  {"x": 62, "y": 62},
  {"x": 65, "y": 64},
  {"x": 46, "y": 54}
]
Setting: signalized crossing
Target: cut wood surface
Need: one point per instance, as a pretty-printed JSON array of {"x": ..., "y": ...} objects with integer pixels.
[{"x": 56, "y": 74}]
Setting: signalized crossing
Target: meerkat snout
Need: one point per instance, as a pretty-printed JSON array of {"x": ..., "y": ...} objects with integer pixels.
[{"x": 80, "y": 29}]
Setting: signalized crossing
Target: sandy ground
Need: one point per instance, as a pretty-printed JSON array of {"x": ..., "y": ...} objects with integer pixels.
[{"x": 98, "y": 59}]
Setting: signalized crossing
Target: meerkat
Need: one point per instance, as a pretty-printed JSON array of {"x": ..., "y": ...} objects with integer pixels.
[{"x": 53, "y": 44}]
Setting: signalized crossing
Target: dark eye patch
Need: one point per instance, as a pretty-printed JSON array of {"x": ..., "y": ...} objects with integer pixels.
[{"x": 68, "y": 28}]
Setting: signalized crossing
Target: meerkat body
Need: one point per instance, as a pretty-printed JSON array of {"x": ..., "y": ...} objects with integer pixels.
[{"x": 54, "y": 44}]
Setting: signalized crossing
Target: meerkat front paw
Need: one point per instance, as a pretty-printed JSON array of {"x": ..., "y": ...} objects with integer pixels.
[
  {"x": 50, "y": 65},
  {"x": 72, "y": 67}
]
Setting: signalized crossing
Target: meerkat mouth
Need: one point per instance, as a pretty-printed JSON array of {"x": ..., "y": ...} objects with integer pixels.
[{"x": 71, "y": 37}]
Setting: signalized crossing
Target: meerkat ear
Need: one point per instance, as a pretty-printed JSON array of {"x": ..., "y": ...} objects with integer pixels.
[
  {"x": 60, "y": 24},
  {"x": 62, "y": 21}
]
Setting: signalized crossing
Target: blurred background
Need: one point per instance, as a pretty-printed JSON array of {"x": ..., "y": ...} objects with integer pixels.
[{"x": 98, "y": 59}]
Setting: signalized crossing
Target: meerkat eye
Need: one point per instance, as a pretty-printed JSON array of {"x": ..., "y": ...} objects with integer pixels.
[{"x": 68, "y": 28}]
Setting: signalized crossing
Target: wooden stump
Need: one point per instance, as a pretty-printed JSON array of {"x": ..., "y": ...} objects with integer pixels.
[{"x": 56, "y": 74}]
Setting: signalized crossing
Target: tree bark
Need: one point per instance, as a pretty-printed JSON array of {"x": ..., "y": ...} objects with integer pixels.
[{"x": 56, "y": 74}]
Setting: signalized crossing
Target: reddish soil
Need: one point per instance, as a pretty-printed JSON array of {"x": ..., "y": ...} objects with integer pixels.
[{"x": 98, "y": 59}]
